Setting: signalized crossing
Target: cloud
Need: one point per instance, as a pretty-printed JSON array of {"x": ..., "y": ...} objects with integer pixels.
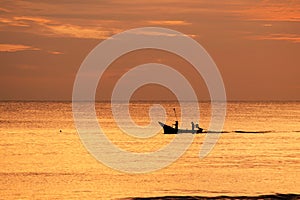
[
  {"x": 12, "y": 22},
  {"x": 54, "y": 28},
  {"x": 279, "y": 37},
  {"x": 4, "y": 10},
  {"x": 164, "y": 34},
  {"x": 16, "y": 47},
  {"x": 55, "y": 52},
  {"x": 32, "y": 19},
  {"x": 21, "y": 47},
  {"x": 69, "y": 30},
  {"x": 168, "y": 22},
  {"x": 267, "y": 25},
  {"x": 155, "y": 33},
  {"x": 269, "y": 10}
]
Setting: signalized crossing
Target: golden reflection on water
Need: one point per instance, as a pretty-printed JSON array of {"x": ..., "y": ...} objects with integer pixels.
[{"x": 37, "y": 161}]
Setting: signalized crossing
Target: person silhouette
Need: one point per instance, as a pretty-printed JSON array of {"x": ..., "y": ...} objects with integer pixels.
[
  {"x": 176, "y": 125},
  {"x": 193, "y": 127}
]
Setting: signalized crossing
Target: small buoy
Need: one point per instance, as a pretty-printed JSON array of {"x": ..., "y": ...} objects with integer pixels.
[{"x": 60, "y": 131}]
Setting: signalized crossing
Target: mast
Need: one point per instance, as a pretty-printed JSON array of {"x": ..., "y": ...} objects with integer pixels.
[
  {"x": 175, "y": 114},
  {"x": 176, "y": 122}
]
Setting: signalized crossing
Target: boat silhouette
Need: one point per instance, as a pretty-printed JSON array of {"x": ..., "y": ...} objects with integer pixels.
[{"x": 175, "y": 130}]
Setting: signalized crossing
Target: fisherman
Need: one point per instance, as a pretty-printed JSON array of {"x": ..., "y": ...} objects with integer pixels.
[
  {"x": 176, "y": 125},
  {"x": 193, "y": 127},
  {"x": 200, "y": 130}
]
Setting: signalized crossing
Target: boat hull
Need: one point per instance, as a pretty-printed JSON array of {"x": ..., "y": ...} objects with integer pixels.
[{"x": 170, "y": 130}]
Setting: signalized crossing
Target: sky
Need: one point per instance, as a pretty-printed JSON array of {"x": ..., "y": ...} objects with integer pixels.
[{"x": 255, "y": 44}]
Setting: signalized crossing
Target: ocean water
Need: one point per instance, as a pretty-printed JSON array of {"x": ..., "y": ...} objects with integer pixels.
[{"x": 40, "y": 162}]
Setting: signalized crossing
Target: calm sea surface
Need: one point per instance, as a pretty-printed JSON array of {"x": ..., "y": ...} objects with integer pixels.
[{"x": 40, "y": 162}]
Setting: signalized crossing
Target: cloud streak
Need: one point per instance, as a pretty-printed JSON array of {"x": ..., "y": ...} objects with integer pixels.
[
  {"x": 269, "y": 10},
  {"x": 53, "y": 28},
  {"x": 294, "y": 38},
  {"x": 16, "y": 47},
  {"x": 168, "y": 22},
  {"x": 10, "y": 48}
]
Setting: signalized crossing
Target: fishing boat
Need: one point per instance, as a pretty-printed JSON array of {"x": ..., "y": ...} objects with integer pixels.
[{"x": 175, "y": 130}]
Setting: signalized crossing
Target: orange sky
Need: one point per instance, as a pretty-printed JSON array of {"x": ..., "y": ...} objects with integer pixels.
[{"x": 256, "y": 44}]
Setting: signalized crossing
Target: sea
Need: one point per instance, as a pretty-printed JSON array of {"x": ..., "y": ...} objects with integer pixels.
[{"x": 43, "y": 155}]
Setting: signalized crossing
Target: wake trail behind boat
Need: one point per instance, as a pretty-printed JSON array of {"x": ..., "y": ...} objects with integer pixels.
[{"x": 240, "y": 131}]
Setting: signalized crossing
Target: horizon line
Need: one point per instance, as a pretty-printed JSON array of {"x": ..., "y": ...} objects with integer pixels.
[{"x": 136, "y": 101}]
